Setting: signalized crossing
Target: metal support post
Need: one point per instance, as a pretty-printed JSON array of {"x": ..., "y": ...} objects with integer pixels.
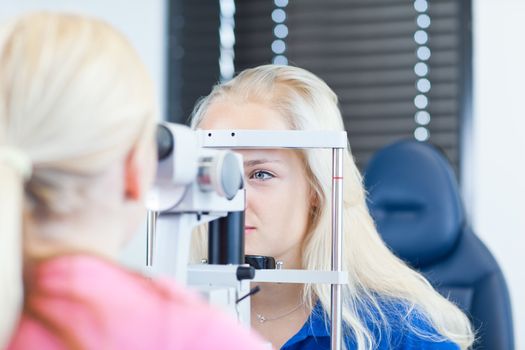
[{"x": 337, "y": 246}]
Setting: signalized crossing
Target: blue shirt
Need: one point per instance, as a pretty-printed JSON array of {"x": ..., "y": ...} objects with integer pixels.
[{"x": 315, "y": 335}]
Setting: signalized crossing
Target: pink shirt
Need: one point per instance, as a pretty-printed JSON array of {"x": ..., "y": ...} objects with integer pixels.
[{"x": 84, "y": 302}]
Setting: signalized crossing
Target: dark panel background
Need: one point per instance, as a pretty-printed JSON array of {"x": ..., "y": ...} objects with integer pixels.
[
  {"x": 364, "y": 49},
  {"x": 193, "y": 54}
]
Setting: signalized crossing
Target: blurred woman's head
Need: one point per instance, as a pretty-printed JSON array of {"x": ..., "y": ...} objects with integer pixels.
[
  {"x": 77, "y": 108},
  {"x": 284, "y": 97}
]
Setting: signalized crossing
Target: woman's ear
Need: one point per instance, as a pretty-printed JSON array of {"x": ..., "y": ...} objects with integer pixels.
[
  {"x": 314, "y": 201},
  {"x": 133, "y": 186}
]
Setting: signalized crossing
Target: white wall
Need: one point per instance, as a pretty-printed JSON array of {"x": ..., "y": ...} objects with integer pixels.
[
  {"x": 499, "y": 149},
  {"x": 143, "y": 22}
]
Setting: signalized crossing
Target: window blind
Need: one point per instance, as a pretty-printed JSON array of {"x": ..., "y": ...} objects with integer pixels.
[
  {"x": 193, "y": 54},
  {"x": 400, "y": 68}
]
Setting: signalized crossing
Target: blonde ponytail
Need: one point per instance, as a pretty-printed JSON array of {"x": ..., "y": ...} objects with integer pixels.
[{"x": 14, "y": 170}]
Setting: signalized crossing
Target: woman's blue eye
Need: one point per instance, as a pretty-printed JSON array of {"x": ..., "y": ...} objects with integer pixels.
[{"x": 261, "y": 175}]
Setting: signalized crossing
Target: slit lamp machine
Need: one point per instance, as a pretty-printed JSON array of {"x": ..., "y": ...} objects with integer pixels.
[{"x": 200, "y": 180}]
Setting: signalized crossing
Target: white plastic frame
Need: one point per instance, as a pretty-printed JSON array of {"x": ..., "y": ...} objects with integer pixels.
[{"x": 298, "y": 139}]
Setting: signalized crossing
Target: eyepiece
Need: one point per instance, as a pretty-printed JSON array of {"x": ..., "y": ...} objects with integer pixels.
[{"x": 164, "y": 142}]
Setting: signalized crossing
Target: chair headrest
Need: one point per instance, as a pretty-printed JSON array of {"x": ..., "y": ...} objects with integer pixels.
[{"x": 414, "y": 199}]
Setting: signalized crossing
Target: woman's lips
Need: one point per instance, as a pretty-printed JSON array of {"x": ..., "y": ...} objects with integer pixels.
[{"x": 249, "y": 229}]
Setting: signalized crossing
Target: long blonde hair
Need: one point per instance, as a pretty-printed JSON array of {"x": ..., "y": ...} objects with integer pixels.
[
  {"x": 379, "y": 281},
  {"x": 74, "y": 99}
]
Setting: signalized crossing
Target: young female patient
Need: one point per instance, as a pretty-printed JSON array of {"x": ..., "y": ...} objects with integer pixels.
[
  {"x": 386, "y": 304},
  {"x": 77, "y": 117}
]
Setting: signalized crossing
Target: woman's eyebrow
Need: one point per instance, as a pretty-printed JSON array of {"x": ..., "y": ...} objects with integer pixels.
[{"x": 254, "y": 162}]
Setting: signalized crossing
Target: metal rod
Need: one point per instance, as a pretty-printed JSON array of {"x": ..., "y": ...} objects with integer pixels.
[
  {"x": 337, "y": 246},
  {"x": 151, "y": 224}
]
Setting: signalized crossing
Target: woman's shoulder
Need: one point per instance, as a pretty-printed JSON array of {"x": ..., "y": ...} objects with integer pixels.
[
  {"x": 391, "y": 324},
  {"x": 184, "y": 320},
  {"x": 193, "y": 323},
  {"x": 75, "y": 290},
  {"x": 399, "y": 325}
]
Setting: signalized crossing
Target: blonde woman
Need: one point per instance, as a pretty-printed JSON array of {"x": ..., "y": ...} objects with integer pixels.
[
  {"x": 77, "y": 155},
  {"x": 386, "y": 304}
]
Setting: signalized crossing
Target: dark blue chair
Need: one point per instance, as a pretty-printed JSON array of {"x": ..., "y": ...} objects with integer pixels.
[{"x": 414, "y": 199}]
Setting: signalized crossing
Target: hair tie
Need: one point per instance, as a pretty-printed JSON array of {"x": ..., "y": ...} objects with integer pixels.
[{"x": 17, "y": 160}]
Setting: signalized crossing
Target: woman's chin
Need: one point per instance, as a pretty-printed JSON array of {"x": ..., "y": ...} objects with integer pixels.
[{"x": 257, "y": 252}]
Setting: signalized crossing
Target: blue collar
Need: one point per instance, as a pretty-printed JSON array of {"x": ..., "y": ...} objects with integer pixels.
[{"x": 317, "y": 325}]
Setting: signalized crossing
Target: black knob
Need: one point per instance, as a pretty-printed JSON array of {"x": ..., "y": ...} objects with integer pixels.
[{"x": 245, "y": 273}]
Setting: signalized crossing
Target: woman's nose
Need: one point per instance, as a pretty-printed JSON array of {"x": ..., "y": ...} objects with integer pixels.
[{"x": 248, "y": 205}]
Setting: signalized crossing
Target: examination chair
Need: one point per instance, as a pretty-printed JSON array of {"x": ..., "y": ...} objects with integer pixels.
[{"x": 415, "y": 201}]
